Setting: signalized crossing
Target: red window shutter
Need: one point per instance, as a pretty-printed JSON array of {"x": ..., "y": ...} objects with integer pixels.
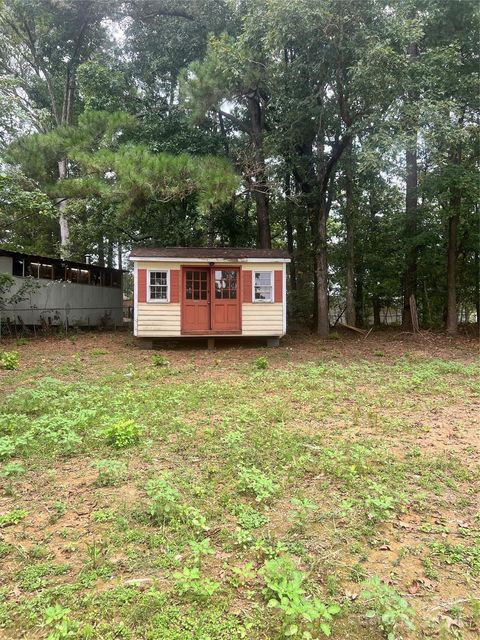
[
  {"x": 278, "y": 286},
  {"x": 142, "y": 285},
  {"x": 175, "y": 285},
  {"x": 247, "y": 286}
]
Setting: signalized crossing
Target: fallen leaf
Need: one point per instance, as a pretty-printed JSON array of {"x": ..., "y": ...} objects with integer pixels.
[{"x": 414, "y": 587}]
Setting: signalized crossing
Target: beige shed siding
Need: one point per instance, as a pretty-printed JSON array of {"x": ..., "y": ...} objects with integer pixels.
[
  {"x": 156, "y": 319},
  {"x": 262, "y": 319},
  {"x": 164, "y": 320}
]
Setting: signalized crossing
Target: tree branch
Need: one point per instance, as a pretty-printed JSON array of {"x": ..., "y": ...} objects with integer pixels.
[{"x": 236, "y": 121}]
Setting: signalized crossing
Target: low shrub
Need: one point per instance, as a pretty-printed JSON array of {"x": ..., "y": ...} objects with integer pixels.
[
  {"x": 9, "y": 360},
  {"x": 122, "y": 434}
]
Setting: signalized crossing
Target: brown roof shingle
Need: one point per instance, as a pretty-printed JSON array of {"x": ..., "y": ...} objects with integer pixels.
[{"x": 233, "y": 253}]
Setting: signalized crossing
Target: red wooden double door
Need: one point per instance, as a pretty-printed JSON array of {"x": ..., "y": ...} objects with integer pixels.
[{"x": 211, "y": 300}]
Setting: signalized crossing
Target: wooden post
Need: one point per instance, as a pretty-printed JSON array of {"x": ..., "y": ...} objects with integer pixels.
[{"x": 210, "y": 344}]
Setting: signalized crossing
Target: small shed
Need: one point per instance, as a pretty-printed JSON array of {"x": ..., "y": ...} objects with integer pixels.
[
  {"x": 209, "y": 292},
  {"x": 60, "y": 292}
]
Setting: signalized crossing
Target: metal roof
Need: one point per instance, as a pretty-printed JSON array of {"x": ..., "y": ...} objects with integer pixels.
[
  {"x": 229, "y": 253},
  {"x": 49, "y": 260}
]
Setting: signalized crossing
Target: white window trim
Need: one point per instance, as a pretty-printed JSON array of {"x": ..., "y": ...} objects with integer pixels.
[
  {"x": 272, "y": 280},
  {"x": 158, "y": 300}
]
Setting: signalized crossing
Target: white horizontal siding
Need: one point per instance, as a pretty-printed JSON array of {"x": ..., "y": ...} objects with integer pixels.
[
  {"x": 262, "y": 319},
  {"x": 156, "y": 319}
]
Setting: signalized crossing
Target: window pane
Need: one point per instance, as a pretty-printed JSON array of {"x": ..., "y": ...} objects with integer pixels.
[
  {"x": 158, "y": 285},
  {"x": 263, "y": 278},
  {"x": 263, "y": 293}
]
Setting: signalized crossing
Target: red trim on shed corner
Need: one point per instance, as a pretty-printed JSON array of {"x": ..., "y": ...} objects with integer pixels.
[
  {"x": 175, "y": 285},
  {"x": 142, "y": 285},
  {"x": 247, "y": 285},
  {"x": 278, "y": 286}
]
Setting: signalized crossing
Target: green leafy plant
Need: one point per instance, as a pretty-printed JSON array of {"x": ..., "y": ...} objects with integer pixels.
[
  {"x": 159, "y": 360},
  {"x": 387, "y": 606},
  {"x": 190, "y": 582},
  {"x": 164, "y": 505},
  {"x": 200, "y": 549},
  {"x": 12, "y": 470},
  {"x": 301, "y": 616},
  {"x": 242, "y": 575},
  {"x": 12, "y": 517},
  {"x": 110, "y": 472},
  {"x": 9, "y": 360},
  {"x": 261, "y": 363},
  {"x": 254, "y": 482},
  {"x": 122, "y": 434},
  {"x": 303, "y": 507},
  {"x": 61, "y": 625},
  {"x": 249, "y": 518}
]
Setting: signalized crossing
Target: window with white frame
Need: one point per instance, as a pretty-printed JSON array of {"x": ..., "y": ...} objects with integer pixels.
[
  {"x": 158, "y": 286},
  {"x": 263, "y": 286}
]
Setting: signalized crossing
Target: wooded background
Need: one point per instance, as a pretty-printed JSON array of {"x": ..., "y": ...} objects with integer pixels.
[{"x": 343, "y": 130}]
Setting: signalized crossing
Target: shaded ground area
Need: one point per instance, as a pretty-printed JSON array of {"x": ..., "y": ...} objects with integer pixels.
[{"x": 243, "y": 492}]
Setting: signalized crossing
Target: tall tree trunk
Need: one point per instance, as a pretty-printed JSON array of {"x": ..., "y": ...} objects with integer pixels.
[
  {"x": 110, "y": 254},
  {"x": 349, "y": 222},
  {"x": 477, "y": 288},
  {"x": 321, "y": 267},
  {"x": 376, "y": 310},
  {"x": 411, "y": 205},
  {"x": 63, "y": 221},
  {"x": 260, "y": 186},
  {"x": 101, "y": 250},
  {"x": 120, "y": 255},
  {"x": 359, "y": 307},
  {"x": 410, "y": 277},
  {"x": 289, "y": 228},
  {"x": 452, "y": 322}
]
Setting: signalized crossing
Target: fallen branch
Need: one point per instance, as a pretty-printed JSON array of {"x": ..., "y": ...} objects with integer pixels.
[{"x": 349, "y": 326}]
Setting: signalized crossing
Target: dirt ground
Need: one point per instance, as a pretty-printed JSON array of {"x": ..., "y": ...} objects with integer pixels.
[{"x": 438, "y": 429}]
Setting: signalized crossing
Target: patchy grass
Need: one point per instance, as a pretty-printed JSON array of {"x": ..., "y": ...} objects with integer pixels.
[{"x": 325, "y": 487}]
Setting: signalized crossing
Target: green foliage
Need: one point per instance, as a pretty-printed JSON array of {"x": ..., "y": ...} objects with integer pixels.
[
  {"x": 9, "y": 360},
  {"x": 261, "y": 363},
  {"x": 35, "y": 576},
  {"x": 386, "y": 605},
  {"x": 122, "y": 434},
  {"x": 468, "y": 555},
  {"x": 110, "y": 472},
  {"x": 252, "y": 481},
  {"x": 12, "y": 517},
  {"x": 164, "y": 506},
  {"x": 303, "y": 507},
  {"x": 248, "y": 518},
  {"x": 191, "y": 583},
  {"x": 301, "y": 616},
  {"x": 200, "y": 549},
  {"x": 159, "y": 360},
  {"x": 12, "y": 470}
]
